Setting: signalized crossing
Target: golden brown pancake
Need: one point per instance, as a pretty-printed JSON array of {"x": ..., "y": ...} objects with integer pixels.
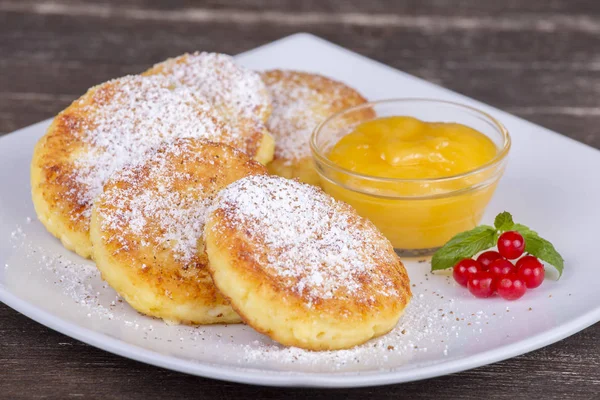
[
  {"x": 147, "y": 223},
  {"x": 302, "y": 267},
  {"x": 110, "y": 126},
  {"x": 301, "y": 101},
  {"x": 236, "y": 92}
]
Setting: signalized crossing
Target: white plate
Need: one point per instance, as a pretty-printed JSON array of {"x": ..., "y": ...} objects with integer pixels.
[{"x": 552, "y": 184}]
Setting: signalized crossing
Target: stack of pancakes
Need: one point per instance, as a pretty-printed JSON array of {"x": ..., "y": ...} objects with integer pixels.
[{"x": 160, "y": 178}]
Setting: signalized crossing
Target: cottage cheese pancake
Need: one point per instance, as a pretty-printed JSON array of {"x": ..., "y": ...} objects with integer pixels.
[
  {"x": 236, "y": 92},
  {"x": 112, "y": 125},
  {"x": 301, "y": 267},
  {"x": 147, "y": 224},
  {"x": 301, "y": 101}
]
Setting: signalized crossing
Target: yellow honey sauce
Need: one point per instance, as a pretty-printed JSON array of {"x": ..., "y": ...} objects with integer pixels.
[{"x": 419, "y": 182}]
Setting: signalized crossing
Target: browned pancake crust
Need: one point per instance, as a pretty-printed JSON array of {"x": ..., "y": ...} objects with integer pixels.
[
  {"x": 301, "y": 101},
  {"x": 237, "y": 93},
  {"x": 282, "y": 305},
  {"x": 62, "y": 202},
  {"x": 139, "y": 262}
]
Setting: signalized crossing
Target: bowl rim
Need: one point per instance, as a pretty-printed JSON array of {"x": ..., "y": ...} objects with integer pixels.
[{"x": 318, "y": 155}]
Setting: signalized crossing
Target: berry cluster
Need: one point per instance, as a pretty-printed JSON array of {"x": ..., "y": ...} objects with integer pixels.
[{"x": 492, "y": 272}]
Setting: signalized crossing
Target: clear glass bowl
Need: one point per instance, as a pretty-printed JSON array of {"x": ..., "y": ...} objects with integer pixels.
[{"x": 416, "y": 215}]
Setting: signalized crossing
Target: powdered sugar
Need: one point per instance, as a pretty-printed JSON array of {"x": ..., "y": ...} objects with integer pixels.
[
  {"x": 130, "y": 116},
  {"x": 300, "y": 102},
  {"x": 78, "y": 281},
  {"x": 414, "y": 333},
  {"x": 317, "y": 244},
  {"x": 438, "y": 325},
  {"x": 152, "y": 201},
  {"x": 235, "y": 90},
  {"x": 292, "y": 121}
]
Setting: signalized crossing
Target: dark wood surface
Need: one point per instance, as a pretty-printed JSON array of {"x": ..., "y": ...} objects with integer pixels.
[{"x": 539, "y": 59}]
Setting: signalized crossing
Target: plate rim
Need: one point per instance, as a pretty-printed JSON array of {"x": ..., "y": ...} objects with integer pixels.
[
  {"x": 301, "y": 379},
  {"x": 295, "y": 379}
]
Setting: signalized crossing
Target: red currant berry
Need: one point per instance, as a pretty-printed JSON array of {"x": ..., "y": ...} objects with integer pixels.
[
  {"x": 481, "y": 284},
  {"x": 463, "y": 270},
  {"x": 511, "y": 287},
  {"x": 531, "y": 271},
  {"x": 486, "y": 258},
  {"x": 511, "y": 245},
  {"x": 501, "y": 267}
]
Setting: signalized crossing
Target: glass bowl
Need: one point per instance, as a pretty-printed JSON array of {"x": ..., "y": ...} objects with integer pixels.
[{"x": 417, "y": 215}]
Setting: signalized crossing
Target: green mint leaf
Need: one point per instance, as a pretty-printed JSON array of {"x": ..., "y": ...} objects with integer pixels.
[
  {"x": 504, "y": 221},
  {"x": 543, "y": 249},
  {"x": 523, "y": 230},
  {"x": 464, "y": 245}
]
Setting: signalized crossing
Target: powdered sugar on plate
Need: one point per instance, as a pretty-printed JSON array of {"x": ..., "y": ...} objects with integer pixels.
[
  {"x": 413, "y": 334},
  {"x": 433, "y": 327},
  {"x": 77, "y": 280}
]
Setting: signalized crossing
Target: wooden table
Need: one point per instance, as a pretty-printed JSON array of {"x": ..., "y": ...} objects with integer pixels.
[{"x": 539, "y": 59}]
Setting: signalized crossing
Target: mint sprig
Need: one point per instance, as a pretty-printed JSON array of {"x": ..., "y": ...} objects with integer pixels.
[
  {"x": 464, "y": 245},
  {"x": 504, "y": 221},
  {"x": 469, "y": 243},
  {"x": 542, "y": 249}
]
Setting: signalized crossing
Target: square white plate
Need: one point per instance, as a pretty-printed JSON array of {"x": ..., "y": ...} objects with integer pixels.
[{"x": 552, "y": 183}]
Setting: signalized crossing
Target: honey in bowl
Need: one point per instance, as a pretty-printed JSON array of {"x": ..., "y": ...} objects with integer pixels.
[{"x": 420, "y": 182}]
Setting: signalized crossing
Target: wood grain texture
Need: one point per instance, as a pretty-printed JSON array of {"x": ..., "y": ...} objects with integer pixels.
[{"x": 539, "y": 59}]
